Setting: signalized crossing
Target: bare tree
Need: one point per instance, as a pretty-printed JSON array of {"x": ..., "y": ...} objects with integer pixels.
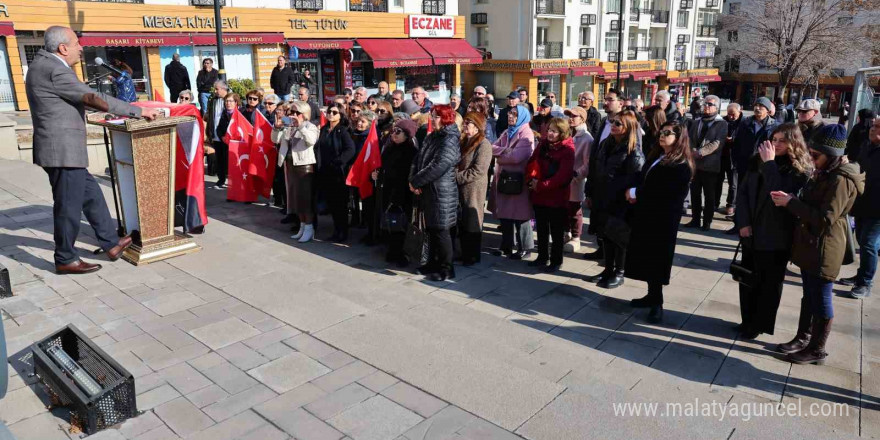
[{"x": 799, "y": 39}]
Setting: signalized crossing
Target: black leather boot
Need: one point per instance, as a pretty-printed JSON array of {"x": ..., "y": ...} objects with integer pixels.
[{"x": 612, "y": 283}]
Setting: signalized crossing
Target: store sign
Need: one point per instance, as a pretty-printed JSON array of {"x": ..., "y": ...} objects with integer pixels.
[
  {"x": 195, "y": 22},
  {"x": 321, "y": 24},
  {"x": 430, "y": 26}
]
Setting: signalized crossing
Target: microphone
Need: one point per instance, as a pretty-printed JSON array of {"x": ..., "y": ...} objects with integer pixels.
[{"x": 100, "y": 62}]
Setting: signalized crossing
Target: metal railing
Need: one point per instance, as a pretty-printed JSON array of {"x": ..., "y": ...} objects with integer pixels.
[
  {"x": 434, "y": 7},
  {"x": 547, "y": 50},
  {"x": 307, "y": 5},
  {"x": 635, "y": 14},
  {"x": 550, "y": 7},
  {"x": 368, "y": 5},
  {"x": 659, "y": 16},
  {"x": 706, "y": 31}
]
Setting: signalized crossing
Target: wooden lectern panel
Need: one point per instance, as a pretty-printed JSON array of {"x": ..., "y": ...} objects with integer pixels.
[{"x": 153, "y": 168}]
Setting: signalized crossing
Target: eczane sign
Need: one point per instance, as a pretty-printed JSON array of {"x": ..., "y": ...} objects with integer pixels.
[{"x": 430, "y": 26}]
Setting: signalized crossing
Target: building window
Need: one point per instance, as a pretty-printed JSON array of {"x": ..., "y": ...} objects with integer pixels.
[
  {"x": 307, "y": 5},
  {"x": 479, "y": 18},
  {"x": 712, "y": 3},
  {"x": 483, "y": 36},
  {"x": 681, "y": 66},
  {"x": 681, "y": 20},
  {"x": 615, "y": 25},
  {"x": 611, "y": 41},
  {"x": 191, "y": 2},
  {"x": 588, "y": 19},
  {"x": 434, "y": 7},
  {"x": 731, "y": 64},
  {"x": 541, "y": 36},
  {"x": 586, "y": 2},
  {"x": 612, "y": 6},
  {"x": 733, "y": 36},
  {"x": 684, "y": 39},
  {"x": 368, "y": 5},
  {"x": 30, "y": 51},
  {"x": 687, "y": 4},
  {"x": 845, "y": 21},
  {"x": 704, "y": 49},
  {"x": 680, "y": 51},
  {"x": 703, "y": 63},
  {"x": 585, "y": 36},
  {"x": 612, "y": 56},
  {"x": 398, "y": 3},
  {"x": 586, "y": 53},
  {"x": 706, "y": 24}
]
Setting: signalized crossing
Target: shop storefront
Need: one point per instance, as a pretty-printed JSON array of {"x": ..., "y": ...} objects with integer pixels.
[
  {"x": 330, "y": 50},
  {"x": 746, "y": 88},
  {"x": 639, "y": 79}
]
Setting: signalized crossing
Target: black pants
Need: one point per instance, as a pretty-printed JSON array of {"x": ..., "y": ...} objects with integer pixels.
[
  {"x": 515, "y": 230},
  {"x": 74, "y": 193},
  {"x": 369, "y": 216},
  {"x": 469, "y": 244},
  {"x": 279, "y": 187},
  {"x": 440, "y": 249},
  {"x": 759, "y": 304},
  {"x": 729, "y": 173},
  {"x": 355, "y": 207},
  {"x": 704, "y": 183},
  {"x": 221, "y": 152},
  {"x": 395, "y": 245},
  {"x": 550, "y": 223},
  {"x": 655, "y": 293},
  {"x": 337, "y": 195},
  {"x": 615, "y": 257}
]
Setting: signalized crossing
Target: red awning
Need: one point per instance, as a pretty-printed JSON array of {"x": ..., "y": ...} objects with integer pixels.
[
  {"x": 547, "y": 72},
  {"x": 451, "y": 51},
  {"x": 321, "y": 44},
  {"x": 648, "y": 74},
  {"x": 681, "y": 79},
  {"x": 133, "y": 40},
  {"x": 231, "y": 38},
  {"x": 587, "y": 71},
  {"x": 705, "y": 79},
  {"x": 6, "y": 29},
  {"x": 395, "y": 52}
]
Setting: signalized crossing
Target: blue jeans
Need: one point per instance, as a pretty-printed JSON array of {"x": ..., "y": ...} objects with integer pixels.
[
  {"x": 868, "y": 235},
  {"x": 283, "y": 98},
  {"x": 817, "y": 293},
  {"x": 203, "y": 102}
]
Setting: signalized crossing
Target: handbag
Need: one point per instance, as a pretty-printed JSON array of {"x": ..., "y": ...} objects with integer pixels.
[
  {"x": 511, "y": 182},
  {"x": 849, "y": 252},
  {"x": 394, "y": 219},
  {"x": 617, "y": 230},
  {"x": 414, "y": 242},
  {"x": 740, "y": 273}
]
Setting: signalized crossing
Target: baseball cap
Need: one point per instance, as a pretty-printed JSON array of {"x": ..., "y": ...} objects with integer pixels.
[
  {"x": 546, "y": 102},
  {"x": 576, "y": 111},
  {"x": 513, "y": 95}
]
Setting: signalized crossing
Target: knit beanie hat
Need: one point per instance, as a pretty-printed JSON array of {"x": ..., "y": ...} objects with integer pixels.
[
  {"x": 766, "y": 103},
  {"x": 830, "y": 140},
  {"x": 409, "y": 107},
  {"x": 408, "y": 126}
]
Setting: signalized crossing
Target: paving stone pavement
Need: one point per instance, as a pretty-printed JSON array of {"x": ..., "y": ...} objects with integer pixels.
[{"x": 256, "y": 337}]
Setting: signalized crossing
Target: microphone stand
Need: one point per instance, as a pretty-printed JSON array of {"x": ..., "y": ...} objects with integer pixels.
[{"x": 120, "y": 230}]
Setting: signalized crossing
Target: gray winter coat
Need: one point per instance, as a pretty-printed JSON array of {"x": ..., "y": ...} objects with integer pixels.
[
  {"x": 708, "y": 157},
  {"x": 433, "y": 171}
]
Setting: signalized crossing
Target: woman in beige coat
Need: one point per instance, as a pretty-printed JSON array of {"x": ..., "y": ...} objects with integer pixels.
[
  {"x": 472, "y": 176},
  {"x": 297, "y": 137}
]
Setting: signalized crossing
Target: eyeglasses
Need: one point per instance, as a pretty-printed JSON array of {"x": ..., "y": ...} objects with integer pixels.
[
  {"x": 616, "y": 123},
  {"x": 185, "y": 98},
  {"x": 270, "y": 103},
  {"x": 333, "y": 112},
  {"x": 709, "y": 104},
  {"x": 371, "y": 103},
  {"x": 381, "y": 111},
  {"x": 253, "y": 98},
  {"x": 665, "y": 133}
]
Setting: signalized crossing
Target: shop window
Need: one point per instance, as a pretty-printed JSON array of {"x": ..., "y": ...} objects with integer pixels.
[
  {"x": 191, "y": 2},
  {"x": 368, "y": 5},
  {"x": 30, "y": 51},
  {"x": 307, "y": 5},
  {"x": 681, "y": 20},
  {"x": 436, "y": 80},
  {"x": 434, "y": 7},
  {"x": 131, "y": 56}
]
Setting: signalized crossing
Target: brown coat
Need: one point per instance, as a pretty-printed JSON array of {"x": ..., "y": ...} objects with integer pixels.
[
  {"x": 472, "y": 184},
  {"x": 820, "y": 227}
]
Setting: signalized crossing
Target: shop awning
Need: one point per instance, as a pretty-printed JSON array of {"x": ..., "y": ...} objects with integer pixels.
[
  {"x": 548, "y": 72},
  {"x": 133, "y": 40},
  {"x": 613, "y": 75},
  {"x": 451, "y": 51},
  {"x": 230, "y": 38},
  {"x": 321, "y": 44},
  {"x": 395, "y": 52},
  {"x": 6, "y": 29},
  {"x": 648, "y": 74},
  {"x": 681, "y": 79},
  {"x": 705, "y": 79},
  {"x": 587, "y": 71}
]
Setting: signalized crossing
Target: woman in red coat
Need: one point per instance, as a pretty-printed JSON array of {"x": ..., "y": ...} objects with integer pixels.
[{"x": 550, "y": 171}]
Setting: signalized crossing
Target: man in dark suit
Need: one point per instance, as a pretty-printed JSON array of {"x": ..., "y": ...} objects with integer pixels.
[
  {"x": 176, "y": 77},
  {"x": 58, "y": 99}
]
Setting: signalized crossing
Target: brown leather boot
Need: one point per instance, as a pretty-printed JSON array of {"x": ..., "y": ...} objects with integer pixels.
[
  {"x": 802, "y": 338},
  {"x": 815, "y": 352}
]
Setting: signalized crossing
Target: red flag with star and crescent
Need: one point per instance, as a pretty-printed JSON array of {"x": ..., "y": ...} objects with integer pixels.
[
  {"x": 240, "y": 186},
  {"x": 368, "y": 160},
  {"x": 263, "y": 156}
]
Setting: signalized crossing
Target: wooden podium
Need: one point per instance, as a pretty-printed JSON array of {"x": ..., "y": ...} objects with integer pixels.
[{"x": 143, "y": 161}]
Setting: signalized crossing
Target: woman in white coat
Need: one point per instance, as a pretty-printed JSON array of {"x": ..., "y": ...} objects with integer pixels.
[{"x": 297, "y": 138}]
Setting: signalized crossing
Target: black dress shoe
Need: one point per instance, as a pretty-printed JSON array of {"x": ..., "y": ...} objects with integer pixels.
[
  {"x": 706, "y": 228},
  {"x": 540, "y": 262},
  {"x": 692, "y": 224},
  {"x": 116, "y": 251},
  {"x": 426, "y": 269},
  {"x": 551, "y": 268},
  {"x": 655, "y": 316},
  {"x": 642, "y": 302},
  {"x": 611, "y": 283},
  {"x": 437, "y": 276},
  {"x": 596, "y": 255},
  {"x": 596, "y": 278}
]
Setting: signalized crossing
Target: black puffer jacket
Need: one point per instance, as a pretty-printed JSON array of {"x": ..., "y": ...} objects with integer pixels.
[
  {"x": 433, "y": 171},
  {"x": 612, "y": 171}
]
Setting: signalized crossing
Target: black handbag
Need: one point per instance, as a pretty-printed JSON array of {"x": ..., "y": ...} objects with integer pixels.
[
  {"x": 511, "y": 182},
  {"x": 414, "y": 243},
  {"x": 849, "y": 253},
  {"x": 394, "y": 219},
  {"x": 617, "y": 230},
  {"x": 740, "y": 273}
]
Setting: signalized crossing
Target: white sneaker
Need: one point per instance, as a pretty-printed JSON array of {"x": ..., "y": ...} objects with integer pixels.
[
  {"x": 308, "y": 233},
  {"x": 299, "y": 233},
  {"x": 572, "y": 245}
]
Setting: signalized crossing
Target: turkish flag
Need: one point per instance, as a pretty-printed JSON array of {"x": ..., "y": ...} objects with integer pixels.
[
  {"x": 369, "y": 160},
  {"x": 263, "y": 156},
  {"x": 157, "y": 96},
  {"x": 238, "y": 136},
  {"x": 323, "y": 119},
  {"x": 189, "y": 170}
]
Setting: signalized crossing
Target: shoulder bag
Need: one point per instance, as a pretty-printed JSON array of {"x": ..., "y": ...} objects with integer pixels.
[
  {"x": 740, "y": 273},
  {"x": 414, "y": 242},
  {"x": 511, "y": 182}
]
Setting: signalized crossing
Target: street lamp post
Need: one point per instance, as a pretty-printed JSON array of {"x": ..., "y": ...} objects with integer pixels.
[
  {"x": 218, "y": 28},
  {"x": 620, "y": 43}
]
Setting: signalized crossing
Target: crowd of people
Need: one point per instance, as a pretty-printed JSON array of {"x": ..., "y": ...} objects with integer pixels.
[{"x": 792, "y": 182}]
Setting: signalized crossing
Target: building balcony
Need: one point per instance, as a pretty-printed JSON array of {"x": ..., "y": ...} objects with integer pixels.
[
  {"x": 552, "y": 49},
  {"x": 550, "y": 7},
  {"x": 638, "y": 53},
  {"x": 657, "y": 53},
  {"x": 659, "y": 16}
]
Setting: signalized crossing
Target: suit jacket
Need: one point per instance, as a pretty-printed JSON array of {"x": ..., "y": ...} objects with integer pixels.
[{"x": 58, "y": 100}]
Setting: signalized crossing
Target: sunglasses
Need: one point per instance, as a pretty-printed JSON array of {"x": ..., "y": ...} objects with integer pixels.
[
  {"x": 333, "y": 112},
  {"x": 616, "y": 123},
  {"x": 371, "y": 103},
  {"x": 665, "y": 133},
  {"x": 355, "y": 111},
  {"x": 551, "y": 97},
  {"x": 381, "y": 111},
  {"x": 253, "y": 98},
  {"x": 184, "y": 99},
  {"x": 295, "y": 113},
  {"x": 397, "y": 131},
  {"x": 270, "y": 103},
  {"x": 709, "y": 104}
]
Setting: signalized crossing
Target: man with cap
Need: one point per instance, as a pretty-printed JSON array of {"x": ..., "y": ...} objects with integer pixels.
[
  {"x": 543, "y": 117},
  {"x": 867, "y": 214},
  {"x": 512, "y": 102},
  {"x": 809, "y": 117},
  {"x": 751, "y": 132},
  {"x": 594, "y": 119}
]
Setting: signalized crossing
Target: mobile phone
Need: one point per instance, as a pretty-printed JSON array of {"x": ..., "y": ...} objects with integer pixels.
[{"x": 285, "y": 120}]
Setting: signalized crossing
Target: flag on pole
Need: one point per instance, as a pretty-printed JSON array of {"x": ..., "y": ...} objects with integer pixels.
[
  {"x": 323, "y": 119},
  {"x": 263, "y": 156},
  {"x": 238, "y": 136},
  {"x": 369, "y": 160}
]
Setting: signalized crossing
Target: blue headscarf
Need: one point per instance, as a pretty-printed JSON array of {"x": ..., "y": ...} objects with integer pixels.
[{"x": 522, "y": 118}]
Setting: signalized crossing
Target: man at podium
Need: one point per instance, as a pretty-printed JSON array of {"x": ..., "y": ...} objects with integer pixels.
[{"x": 58, "y": 99}]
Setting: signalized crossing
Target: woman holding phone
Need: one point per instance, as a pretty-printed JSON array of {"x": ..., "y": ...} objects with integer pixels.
[{"x": 297, "y": 137}]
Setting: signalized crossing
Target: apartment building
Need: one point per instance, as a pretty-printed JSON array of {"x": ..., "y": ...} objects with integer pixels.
[
  {"x": 341, "y": 43},
  {"x": 569, "y": 46}
]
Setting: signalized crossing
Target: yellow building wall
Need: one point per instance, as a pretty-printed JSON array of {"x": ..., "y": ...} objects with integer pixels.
[
  {"x": 17, "y": 72},
  {"x": 154, "y": 69},
  {"x": 265, "y": 59}
]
